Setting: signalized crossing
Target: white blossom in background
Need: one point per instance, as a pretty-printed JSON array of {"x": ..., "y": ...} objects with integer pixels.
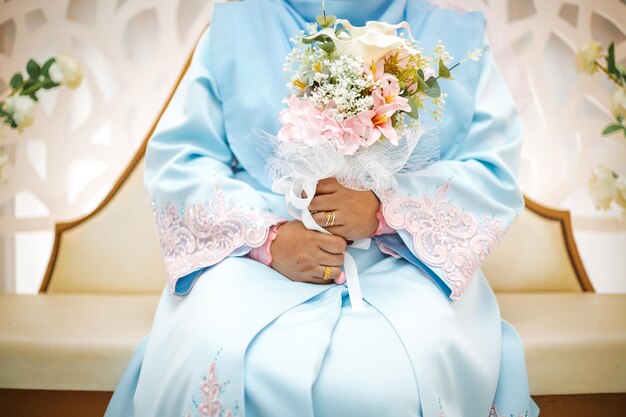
[
  {"x": 587, "y": 57},
  {"x": 22, "y": 109},
  {"x": 619, "y": 192},
  {"x": 618, "y": 107},
  {"x": 66, "y": 70},
  {"x": 601, "y": 187}
]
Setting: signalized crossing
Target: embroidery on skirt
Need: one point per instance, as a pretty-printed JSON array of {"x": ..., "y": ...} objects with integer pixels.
[
  {"x": 444, "y": 235},
  {"x": 205, "y": 233},
  {"x": 494, "y": 413},
  {"x": 211, "y": 389}
]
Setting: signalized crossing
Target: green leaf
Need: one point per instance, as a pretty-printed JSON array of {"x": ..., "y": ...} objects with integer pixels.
[
  {"x": 17, "y": 81},
  {"x": 433, "y": 88},
  {"x": 33, "y": 68},
  {"x": 48, "y": 84},
  {"x": 444, "y": 72},
  {"x": 326, "y": 21},
  {"x": 610, "y": 60},
  {"x": 414, "y": 113},
  {"x": 318, "y": 37},
  {"x": 45, "y": 70},
  {"x": 610, "y": 129},
  {"x": 327, "y": 46},
  {"x": 421, "y": 84}
]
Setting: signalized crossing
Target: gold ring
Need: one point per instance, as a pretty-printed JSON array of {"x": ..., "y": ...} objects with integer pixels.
[
  {"x": 326, "y": 276},
  {"x": 330, "y": 218}
]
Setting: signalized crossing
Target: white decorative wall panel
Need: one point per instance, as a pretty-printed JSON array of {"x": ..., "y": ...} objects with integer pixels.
[{"x": 132, "y": 52}]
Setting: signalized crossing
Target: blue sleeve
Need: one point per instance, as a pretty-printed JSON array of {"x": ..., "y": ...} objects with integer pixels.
[
  {"x": 202, "y": 212},
  {"x": 451, "y": 215}
]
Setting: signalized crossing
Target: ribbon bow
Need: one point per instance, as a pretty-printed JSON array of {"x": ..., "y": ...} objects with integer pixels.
[{"x": 298, "y": 207}]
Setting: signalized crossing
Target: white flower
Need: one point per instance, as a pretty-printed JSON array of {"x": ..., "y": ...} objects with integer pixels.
[
  {"x": 618, "y": 107},
  {"x": 587, "y": 56},
  {"x": 441, "y": 53},
  {"x": 619, "y": 191},
  {"x": 66, "y": 70},
  {"x": 370, "y": 42},
  {"x": 22, "y": 110},
  {"x": 475, "y": 54},
  {"x": 601, "y": 187}
]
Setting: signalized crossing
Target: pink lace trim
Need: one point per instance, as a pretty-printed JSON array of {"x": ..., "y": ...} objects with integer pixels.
[
  {"x": 211, "y": 389},
  {"x": 204, "y": 234},
  {"x": 444, "y": 235}
]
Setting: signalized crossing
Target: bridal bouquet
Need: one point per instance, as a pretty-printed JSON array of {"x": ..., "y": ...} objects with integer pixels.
[{"x": 353, "y": 112}]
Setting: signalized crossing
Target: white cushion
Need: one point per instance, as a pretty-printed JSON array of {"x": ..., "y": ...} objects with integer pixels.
[{"x": 575, "y": 343}]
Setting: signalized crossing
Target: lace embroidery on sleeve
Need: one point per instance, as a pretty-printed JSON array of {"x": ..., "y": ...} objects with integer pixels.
[
  {"x": 444, "y": 235},
  {"x": 205, "y": 233}
]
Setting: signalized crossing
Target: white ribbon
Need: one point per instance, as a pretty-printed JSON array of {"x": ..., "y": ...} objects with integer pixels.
[{"x": 298, "y": 207}]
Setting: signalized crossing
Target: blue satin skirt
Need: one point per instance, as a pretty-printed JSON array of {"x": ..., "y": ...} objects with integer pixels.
[{"x": 248, "y": 342}]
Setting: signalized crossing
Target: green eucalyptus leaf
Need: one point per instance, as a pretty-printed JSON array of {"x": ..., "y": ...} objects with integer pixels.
[
  {"x": 433, "y": 88},
  {"x": 17, "y": 81},
  {"x": 33, "y": 68},
  {"x": 610, "y": 129},
  {"x": 414, "y": 113},
  {"x": 444, "y": 72}
]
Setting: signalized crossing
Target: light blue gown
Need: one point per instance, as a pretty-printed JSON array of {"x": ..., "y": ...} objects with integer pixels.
[{"x": 233, "y": 337}]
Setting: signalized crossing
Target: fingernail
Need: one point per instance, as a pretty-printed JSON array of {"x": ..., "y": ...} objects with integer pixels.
[{"x": 341, "y": 279}]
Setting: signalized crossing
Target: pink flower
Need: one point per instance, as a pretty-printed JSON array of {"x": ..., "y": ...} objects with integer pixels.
[
  {"x": 301, "y": 122},
  {"x": 389, "y": 93},
  {"x": 304, "y": 122}
]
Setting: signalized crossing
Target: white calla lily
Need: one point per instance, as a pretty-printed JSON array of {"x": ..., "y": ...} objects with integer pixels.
[{"x": 370, "y": 42}]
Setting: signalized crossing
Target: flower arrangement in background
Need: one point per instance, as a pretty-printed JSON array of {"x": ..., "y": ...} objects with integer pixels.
[
  {"x": 606, "y": 185},
  {"x": 17, "y": 110}
]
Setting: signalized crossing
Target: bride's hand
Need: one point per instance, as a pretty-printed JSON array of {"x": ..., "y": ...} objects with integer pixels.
[
  {"x": 302, "y": 255},
  {"x": 354, "y": 211}
]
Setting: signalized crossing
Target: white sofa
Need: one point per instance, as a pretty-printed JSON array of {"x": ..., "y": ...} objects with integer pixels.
[{"x": 64, "y": 349}]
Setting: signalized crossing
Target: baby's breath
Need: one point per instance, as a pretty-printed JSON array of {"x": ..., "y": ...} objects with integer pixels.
[{"x": 441, "y": 53}]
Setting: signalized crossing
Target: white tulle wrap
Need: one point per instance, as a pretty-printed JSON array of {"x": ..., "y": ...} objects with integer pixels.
[{"x": 296, "y": 168}]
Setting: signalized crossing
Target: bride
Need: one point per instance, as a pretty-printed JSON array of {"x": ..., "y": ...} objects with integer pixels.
[{"x": 256, "y": 320}]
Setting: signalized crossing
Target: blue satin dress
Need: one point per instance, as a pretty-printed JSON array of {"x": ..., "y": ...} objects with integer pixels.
[{"x": 233, "y": 337}]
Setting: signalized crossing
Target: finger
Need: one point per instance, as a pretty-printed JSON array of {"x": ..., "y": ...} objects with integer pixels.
[
  {"x": 340, "y": 231},
  {"x": 329, "y": 259},
  {"x": 327, "y": 186},
  {"x": 332, "y": 244},
  {"x": 334, "y": 273},
  {"x": 324, "y": 202},
  {"x": 327, "y": 218}
]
